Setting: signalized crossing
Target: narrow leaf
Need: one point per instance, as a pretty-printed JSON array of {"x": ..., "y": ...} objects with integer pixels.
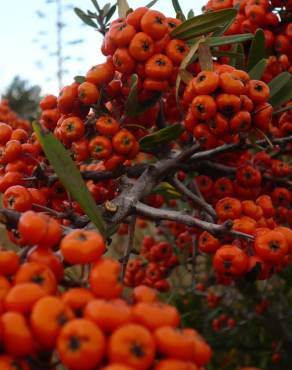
[
  {"x": 85, "y": 18},
  {"x": 110, "y": 13},
  {"x": 149, "y": 5},
  {"x": 227, "y": 40},
  {"x": 167, "y": 191},
  {"x": 258, "y": 69},
  {"x": 123, "y": 8},
  {"x": 239, "y": 61},
  {"x": 178, "y": 10},
  {"x": 284, "y": 95},
  {"x": 191, "y": 14},
  {"x": 279, "y": 82},
  {"x": 79, "y": 79},
  {"x": 160, "y": 137},
  {"x": 69, "y": 175},
  {"x": 143, "y": 107},
  {"x": 194, "y": 48},
  {"x": 132, "y": 100},
  {"x": 97, "y": 7},
  {"x": 106, "y": 8},
  {"x": 257, "y": 49},
  {"x": 265, "y": 137},
  {"x": 91, "y": 14},
  {"x": 203, "y": 23},
  {"x": 133, "y": 107},
  {"x": 226, "y": 26}
]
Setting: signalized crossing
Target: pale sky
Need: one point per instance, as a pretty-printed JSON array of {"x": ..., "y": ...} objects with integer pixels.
[{"x": 20, "y": 26}]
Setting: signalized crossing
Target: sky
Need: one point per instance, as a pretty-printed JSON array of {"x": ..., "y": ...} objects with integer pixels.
[{"x": 28, "y": 39}]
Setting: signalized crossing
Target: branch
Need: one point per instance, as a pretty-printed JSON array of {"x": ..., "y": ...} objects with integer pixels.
[
  {"x": 96, "y": 176},
  {"x": 9, "y": 218},
  {"x": 181, "y": 218},
  {"x": 280, "y": 181},
  {"x": 195, "y": 198},
  {"x": 241, "y": 145},
  {"x": 194, "y": 260},
  {"x": 121, "y": 207},
  {"x": 129, "y": 246},
  {"x": 230, "y": 171}
]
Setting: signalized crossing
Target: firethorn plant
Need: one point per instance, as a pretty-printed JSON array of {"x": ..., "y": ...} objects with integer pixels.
[{"x": 177, "y": 148}]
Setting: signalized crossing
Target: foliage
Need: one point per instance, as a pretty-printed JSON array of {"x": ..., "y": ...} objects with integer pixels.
[
  {"x": 23, "y": 98},
  {"x": 165, "y": 168}
]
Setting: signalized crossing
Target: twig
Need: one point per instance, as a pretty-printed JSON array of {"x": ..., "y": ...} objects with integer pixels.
[
  {"x": 96, "y": 176},
  {"x": 179, "y": 217},
  {"x": 285, "y": 109},
  {"x": 278, "y": 180},
  {"x": 9, "y": 218},
  {"x": 194, "y": 260},
  {"x": 195, "y": 198},
  {"x": 241, "y": 145},
  {"x": 228, "y": 170},
  {"x": 151, "y": 177},
  {"x": 129, "y": 246}
]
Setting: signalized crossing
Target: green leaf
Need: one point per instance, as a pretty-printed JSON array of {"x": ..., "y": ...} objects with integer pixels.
[
  {"x": 191, "y": 14},
  {"x": 167, "y": 191},
  {"x": 265, "y": 137},
  {"x": 194, "y": 48},
  {"x": 69, "y": 175},
  {"x": 97, "y": 7},
  {"x": 225, "y": 26},
  {"x": 236, "y": 55},
  {"x": 110, "y": 13},
  {"x": 257, "y": 71},
  {"x": 178, "y": 10},
  {"x": 279, "y": 82},
  {"x": 239, "y": 61},
  {"x": 132, "y": 100},
  {"x": 85, "y": 18},
  {"x": 91, "y": 14},
  {"x": 149, "y": 5},
  {"x": 257, "y": 50},
  {"x": 227, "y": 40},
  {"x": 106, "y": 8},
  {"x": 79, "y": 79},
  {"x": 123, "y": 8},
  {"x": 160, "y": 137},
  {"x": 202, "y": 24},
  {"x": 281, "y": 97},
  {"x": 132, "y": 106}
]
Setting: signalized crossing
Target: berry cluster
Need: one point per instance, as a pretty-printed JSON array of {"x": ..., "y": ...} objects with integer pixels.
[
  {"x": 95, "y": 139},
  {"x": 225, "y": 103},
  {"x": 89, "y": 326},
  {"x": 273, "y": 18},
  {"x": 153, "y": 266},
  {"x": 141, "y": 44}
]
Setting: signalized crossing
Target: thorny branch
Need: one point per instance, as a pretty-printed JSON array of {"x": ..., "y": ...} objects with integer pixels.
[
  {"x": 182, "y": 218},
  {"x": 129, "y": 246},
  {"x": 181, "y": 188}
]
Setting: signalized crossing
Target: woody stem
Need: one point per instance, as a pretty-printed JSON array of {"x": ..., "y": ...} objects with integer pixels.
[{"x": 129, "y": 246}]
